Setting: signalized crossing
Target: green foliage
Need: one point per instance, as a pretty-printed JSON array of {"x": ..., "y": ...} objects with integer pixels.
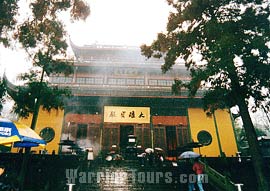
[
  {"x": 8, "y": 9},
  {"x": 220, "y": 32},
  {"x": 33, "y": 91},
  {"x": 79, "y": 10},
  {"x": 50, "y": 97},
  {"x": 242, "y": 138},
  {"x": 43, "y": 37}
]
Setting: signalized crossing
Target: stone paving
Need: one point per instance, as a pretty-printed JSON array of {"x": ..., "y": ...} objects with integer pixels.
[
  {"x": 47, "y": 172},
  {"x": 127, "y": 176}
]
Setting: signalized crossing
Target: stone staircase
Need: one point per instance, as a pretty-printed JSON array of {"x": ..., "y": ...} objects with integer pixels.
[{"x": 129, "y": 175}]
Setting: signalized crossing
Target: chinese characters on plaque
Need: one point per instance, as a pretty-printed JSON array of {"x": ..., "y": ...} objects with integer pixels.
[{"x": 126, "y": 114}]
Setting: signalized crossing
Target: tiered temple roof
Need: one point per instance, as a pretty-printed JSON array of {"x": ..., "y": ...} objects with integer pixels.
[
  {"x": 112, "y": 54},
  {"x": 109, "y": 70}
]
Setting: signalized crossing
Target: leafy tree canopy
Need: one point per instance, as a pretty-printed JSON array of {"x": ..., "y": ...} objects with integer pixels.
[
  {"x": 225, "y": 45},
  {"x": 231, "y": 40},
  {"x": 50, "y": 97},
  {"x": 41, "y": 33}
]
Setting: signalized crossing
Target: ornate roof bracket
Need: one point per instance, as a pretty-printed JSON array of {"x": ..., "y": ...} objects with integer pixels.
[{"x": 12, "y": 89}]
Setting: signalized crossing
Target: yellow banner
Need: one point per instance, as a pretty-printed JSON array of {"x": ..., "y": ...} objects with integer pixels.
[{"x": 116, "y": 114}]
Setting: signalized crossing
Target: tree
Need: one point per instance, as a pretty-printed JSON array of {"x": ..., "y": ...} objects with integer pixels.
[
  {"x": 225, "y": 45},
  {"x": 43, "y": 37},
  {"x": 242, "y": 139},
  {"x": 2, "y": 93},
  {"x": 8, "y": 10}
]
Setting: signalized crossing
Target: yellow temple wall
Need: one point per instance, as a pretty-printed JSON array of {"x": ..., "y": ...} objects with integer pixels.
[
  {"x": 54, "y": 119},
  {"x": 226, "y": 132},
  {"x": 198, "y": 121},
  {"x": 197, "y": 118}
]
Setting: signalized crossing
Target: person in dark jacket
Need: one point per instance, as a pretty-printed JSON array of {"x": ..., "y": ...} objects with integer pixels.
[{"x": 190, "y": 174}]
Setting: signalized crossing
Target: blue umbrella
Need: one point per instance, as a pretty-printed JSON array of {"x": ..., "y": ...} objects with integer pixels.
[
  {"x": 189, "y": 154},
  {"x": 19, "y": 134}
]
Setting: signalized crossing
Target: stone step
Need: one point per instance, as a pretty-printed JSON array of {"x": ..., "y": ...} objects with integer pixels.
[{"x": 131, "y": 183}]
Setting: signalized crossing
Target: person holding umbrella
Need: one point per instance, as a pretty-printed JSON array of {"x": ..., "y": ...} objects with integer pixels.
[
  {"x": 187, "y": 170},
  {"x": 198, "y": 168}
]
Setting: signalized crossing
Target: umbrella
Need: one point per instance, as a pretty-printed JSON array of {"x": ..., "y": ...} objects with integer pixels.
[
  {"x": 159, "y": 150},
  {"x": 189, "y": 154},
  {"x": 149, "y": 150},
  {"x": 19, "y": 134},
  {"x": 141, "y": 155},
  {"x": 2, "y": 170}
]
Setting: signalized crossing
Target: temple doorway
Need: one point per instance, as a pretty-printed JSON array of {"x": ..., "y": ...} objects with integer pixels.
[
  {"x": 171, "y": 140},
  {"x": 125, "y": 131}
]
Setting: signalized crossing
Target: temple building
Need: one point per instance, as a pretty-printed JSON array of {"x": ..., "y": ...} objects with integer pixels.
[{"x": 117, "y": 92}]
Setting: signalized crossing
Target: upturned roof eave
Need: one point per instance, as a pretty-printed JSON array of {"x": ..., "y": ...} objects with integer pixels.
[{"x": 12, "y": 89}]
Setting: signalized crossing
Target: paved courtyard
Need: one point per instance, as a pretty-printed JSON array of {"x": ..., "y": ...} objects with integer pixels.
[{"x": 129, "y": 175}]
